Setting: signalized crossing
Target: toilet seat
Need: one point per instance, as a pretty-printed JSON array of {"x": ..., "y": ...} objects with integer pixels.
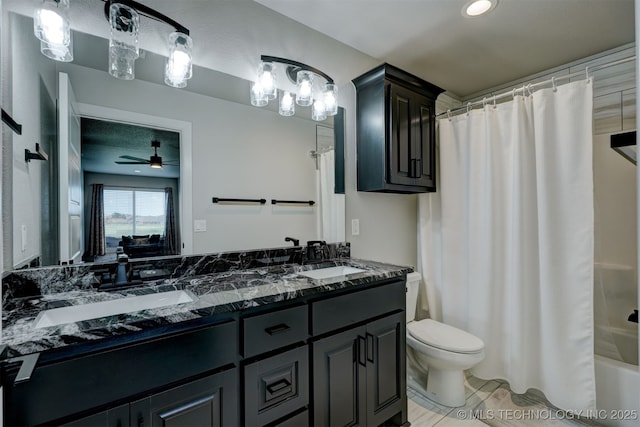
[{"x": 444, "y": 337}]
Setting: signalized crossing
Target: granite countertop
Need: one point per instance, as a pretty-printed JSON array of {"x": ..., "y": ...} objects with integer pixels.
[{"x": 214, "y": 293}]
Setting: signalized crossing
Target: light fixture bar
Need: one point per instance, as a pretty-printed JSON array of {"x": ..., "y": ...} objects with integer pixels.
[
  {"x": 146, "y": 11},
  {"x": 294, "y": 67}
]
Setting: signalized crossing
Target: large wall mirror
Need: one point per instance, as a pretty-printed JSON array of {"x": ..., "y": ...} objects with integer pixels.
[{"x": 213, "y": 144}]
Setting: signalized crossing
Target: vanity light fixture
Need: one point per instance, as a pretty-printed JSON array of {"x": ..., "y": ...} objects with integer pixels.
[
  {"x": 478, "y": 7},
  {"x": 312, "y": 88},
  {"x": 51, "y": 26}
]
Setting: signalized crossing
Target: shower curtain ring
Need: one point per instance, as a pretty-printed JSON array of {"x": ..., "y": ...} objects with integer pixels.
[
  {"x": 494, "y": 101},
  {"x": 586, "y": 70},
  {"x": 449, "y": 114},
  {"x": 468, "y": 107},
  {"x": 553, "y": 83},
  {"x": 513, "y": 93},
  {"x": 484, "y": 102},
  {"x": 529, "y": 89}
]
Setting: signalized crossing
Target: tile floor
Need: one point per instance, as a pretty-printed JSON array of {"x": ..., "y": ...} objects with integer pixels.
[{"x": 490, "y": 403}]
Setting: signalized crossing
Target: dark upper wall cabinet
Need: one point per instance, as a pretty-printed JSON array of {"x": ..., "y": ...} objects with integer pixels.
[{"x": 396, "y": 131}]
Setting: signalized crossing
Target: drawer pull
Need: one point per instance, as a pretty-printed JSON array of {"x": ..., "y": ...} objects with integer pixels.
[
  {"x": 273, "y": 330},
  {"x": 278, "y": 386}
]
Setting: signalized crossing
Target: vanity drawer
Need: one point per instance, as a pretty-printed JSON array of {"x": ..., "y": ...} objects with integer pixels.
[
  {"x": 276, "y": 386},
  {"x": 344, "y": 310},
  {"x": 265, "y": 332}
]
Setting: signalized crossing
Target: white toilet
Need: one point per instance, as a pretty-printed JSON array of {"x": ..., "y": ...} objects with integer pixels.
[{"x": 441, "y": 352}]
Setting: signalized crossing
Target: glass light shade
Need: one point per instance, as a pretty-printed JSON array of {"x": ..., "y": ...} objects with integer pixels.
[
  {"x": 57, "y": 52},
  {"x": 258, "y": 98},
  {"x": 178, "y": 68},
  {"x": 267, "y": 79},
  {"x": 51, "y": 22},
  {"x": 287, "y": 105},
  {"x": 304, "y": 96},
  {"x": 330, "y": 96},
  {"x": 318, "y": 113},
  {"x": 123, "y": 44}
]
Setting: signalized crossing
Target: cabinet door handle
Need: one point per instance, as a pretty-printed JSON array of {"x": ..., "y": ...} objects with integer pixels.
[
  {"x": 369, "y": 347},
  {"x": 278, "y": 386},
  {"x": 362, "y": 355},
  {"x": 276, "y": 329}
]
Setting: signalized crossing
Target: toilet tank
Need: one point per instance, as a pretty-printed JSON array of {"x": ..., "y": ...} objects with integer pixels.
[{"x": 413, "y": 283}]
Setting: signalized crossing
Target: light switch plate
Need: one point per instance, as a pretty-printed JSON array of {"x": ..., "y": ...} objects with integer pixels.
[
  {"x": 199, "y": 225},
  {"x": 355, "y": 227}
]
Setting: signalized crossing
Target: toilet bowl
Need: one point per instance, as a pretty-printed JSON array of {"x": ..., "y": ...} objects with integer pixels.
[{"x": 440, "y": 352}]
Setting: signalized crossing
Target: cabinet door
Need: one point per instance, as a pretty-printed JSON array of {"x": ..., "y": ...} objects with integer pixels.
[
  {"x": 400, "y": 164},
  {"x": 339, "y": 379},
  {"x": 386, "y": 382},
  {"x": 424, "y": 143},
  {"x": 208, "y": 402},
  {"x": 412, "y": 147}
]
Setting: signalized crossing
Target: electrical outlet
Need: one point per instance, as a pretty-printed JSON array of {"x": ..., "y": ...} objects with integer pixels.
[
  {"x": 355, "y": 227},
  {"x": 199, "y": 225}
]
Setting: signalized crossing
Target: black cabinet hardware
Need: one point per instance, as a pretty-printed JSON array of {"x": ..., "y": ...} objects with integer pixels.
[
  {"x": 38, "y": 155},
  {"x": 277, "y": 329},
  {"x": 369, "y": 347},
  {"x": 227, "y": 200},
  {"x": 8, "y": 120},
  {"x": 293, "y": 202},
  {"x": 362, "y": 344},
  {"x": 279, "y": 385}
]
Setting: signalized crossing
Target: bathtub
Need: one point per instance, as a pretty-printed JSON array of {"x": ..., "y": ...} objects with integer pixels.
[{"x": 617, "y": 391}]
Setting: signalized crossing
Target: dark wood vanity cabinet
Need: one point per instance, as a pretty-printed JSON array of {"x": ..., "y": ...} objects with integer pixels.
[
  {"x": 359, "y": 374},
  {"x": 396, "y": 145},
  {"x": 170, "y": 376},
  {"x": 331, "y": 359},
  {"x": 196, "y": 403}
]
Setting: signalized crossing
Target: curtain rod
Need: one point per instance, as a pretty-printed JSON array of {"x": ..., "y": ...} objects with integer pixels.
[{"x": 528, "y": 88}]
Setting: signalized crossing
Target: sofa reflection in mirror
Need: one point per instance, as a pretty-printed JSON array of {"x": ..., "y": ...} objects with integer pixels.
[{"x": 143, "y": 246}]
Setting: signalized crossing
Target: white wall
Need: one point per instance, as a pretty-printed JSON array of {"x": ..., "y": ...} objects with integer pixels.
[{"x": 31, "y": 78}]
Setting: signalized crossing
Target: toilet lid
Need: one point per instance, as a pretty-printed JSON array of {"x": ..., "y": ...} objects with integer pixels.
[{"x": 444, "y": 337}]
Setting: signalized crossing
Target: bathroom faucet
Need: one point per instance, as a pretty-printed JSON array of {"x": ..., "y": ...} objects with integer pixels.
[
  {"x": 315, "y": 248},
  {"x": 122, "y": 276},
  {"x": 296, "y": 242}
]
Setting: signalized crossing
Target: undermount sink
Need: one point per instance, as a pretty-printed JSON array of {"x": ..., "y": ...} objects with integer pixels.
[
  {"x": 77, "y": 313},
  {"x": 333, "y": 274}
]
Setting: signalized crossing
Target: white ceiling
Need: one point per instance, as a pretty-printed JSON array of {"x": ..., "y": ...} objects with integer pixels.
[{"x": 429, "y": 38}]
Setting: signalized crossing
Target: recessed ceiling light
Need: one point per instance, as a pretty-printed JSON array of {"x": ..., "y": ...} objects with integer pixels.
[
  {"x": 478, "y": 7},
  {"x": 137, "y": 171}
]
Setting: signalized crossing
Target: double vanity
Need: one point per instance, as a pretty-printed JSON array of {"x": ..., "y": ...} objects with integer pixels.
[{"x": 254, "y": 338}]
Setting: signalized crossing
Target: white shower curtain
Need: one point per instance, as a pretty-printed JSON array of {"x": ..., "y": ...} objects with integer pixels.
[
  {"x": 331, "y": 204},
  {"x": 506, "y": 246}
]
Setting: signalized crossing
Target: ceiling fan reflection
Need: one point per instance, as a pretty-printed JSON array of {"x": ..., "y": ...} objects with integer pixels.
[{"x": 154, "y": 161}]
